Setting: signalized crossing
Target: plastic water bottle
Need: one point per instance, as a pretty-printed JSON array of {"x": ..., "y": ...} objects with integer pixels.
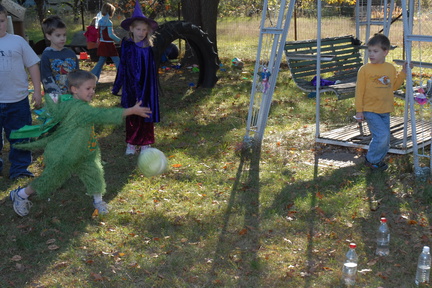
[
  {"x": 349, "y": 269},
  {"x": 423, "y": 266},
  {"x": 383, "y": 238}
]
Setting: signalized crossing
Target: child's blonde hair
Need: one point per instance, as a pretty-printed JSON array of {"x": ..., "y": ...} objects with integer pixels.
[
  {"x": 148, "y": 41},
  {"x": 78, "y": 77},
  {"x": 108, "y": 8}
]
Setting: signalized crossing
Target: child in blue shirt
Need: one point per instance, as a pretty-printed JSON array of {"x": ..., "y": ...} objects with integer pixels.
[{"x": 57, "y": 60}]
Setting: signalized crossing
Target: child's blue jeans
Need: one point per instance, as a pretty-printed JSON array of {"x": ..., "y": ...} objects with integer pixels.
[
  {"x": 12, "y": 117},
  {"x": 97, "y": 69},
  {"x": 379, "y": 126}
]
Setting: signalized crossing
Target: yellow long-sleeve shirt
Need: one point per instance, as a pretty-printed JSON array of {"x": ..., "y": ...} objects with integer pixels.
[{"x": 375, "y": 86}]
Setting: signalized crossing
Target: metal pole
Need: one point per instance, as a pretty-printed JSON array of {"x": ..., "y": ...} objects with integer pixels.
[{"x": 318, "y": 75}]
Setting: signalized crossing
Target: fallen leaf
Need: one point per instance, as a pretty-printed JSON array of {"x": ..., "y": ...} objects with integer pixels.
[
  {"x": 16, "y": 258},
  {"x": 61, "y": 265},
  {"x": 53, "y": 247},
  {"x": 243, "y": 231},
  {"x": 250, "y": 227},
  {"x": 364, "y": 271},
  {"x": 176, "y": 165},
  {"x": 134, "y": 265},
  {"x": 287, "y": 240},
  {"x": 382, "y": 275},
  {"x": 50, "y": 241},
  {"x": 372, "y": 262},
  {"x": 425, "y": 239},
  {"x": 96, "y": 276}
]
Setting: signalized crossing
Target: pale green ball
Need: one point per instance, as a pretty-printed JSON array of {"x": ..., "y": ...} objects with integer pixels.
[{"x": 152, "y": 162}]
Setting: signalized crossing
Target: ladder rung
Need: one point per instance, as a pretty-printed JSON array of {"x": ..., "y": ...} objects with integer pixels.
[
  {"x": 422, "y": 38},
  {"x": 415, "y": 63},
  {"x": 271, "y": 30},
  {"x": 373, "y": 22}
]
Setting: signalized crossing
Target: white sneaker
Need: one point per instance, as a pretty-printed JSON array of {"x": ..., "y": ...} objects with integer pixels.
[
  {"x": 130, "y": 149},
  {"x": 20, "y": 205},
  {"x": 102, "y": 207},
  {"x": 144, "y": 147}
]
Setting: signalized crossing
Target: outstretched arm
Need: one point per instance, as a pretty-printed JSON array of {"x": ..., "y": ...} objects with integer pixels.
[{"x": 137, "y": 110}]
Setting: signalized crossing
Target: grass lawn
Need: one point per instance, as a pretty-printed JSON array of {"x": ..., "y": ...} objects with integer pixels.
[{"x": 278, "y": 215}]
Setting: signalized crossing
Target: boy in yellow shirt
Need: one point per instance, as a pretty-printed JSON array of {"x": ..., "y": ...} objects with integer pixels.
[{"x": 376, "y": 82}]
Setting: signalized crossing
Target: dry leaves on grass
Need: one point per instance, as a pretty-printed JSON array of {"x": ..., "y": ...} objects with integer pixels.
[
  {"x": 16, "y": 258},
  {"x": 96, "y": 277}
]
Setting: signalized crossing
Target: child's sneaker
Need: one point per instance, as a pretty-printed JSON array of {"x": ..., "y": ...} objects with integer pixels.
[
  {"x": 380, "y": 166},
  {"x": 20, "y": 205},
  {"x": 102, "y": 207},
  {"x": 130, "y": 149},
  {"x": 144, "y": 147}
]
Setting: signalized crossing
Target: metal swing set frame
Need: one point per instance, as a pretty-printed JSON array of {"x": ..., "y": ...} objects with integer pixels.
[{"x": 271, "y": 44}]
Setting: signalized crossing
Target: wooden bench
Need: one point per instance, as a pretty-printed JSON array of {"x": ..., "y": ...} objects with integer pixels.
[{"x": 340, "y": 61}]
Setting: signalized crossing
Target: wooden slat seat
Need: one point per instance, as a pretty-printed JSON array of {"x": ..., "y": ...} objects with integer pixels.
[{"x": 340, "y": 60}]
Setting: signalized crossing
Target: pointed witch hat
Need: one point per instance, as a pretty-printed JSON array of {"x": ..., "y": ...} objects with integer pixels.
[{"x": 138, "y": 14}]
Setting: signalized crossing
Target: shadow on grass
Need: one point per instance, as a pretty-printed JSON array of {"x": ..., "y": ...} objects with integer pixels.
[
  {"x": 320, "y": 209},
  {"x": 244, "y": 194}
]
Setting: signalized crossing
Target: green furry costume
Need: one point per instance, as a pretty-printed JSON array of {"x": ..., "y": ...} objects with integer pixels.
[{"x": 72, "y": 147}]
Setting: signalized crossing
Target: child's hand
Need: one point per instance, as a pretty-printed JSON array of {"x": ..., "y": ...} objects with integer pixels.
[
  {"x": 138, "y": 110},
  {"x": 37, "y": 99},
  {"x": 405, "y": 67},
  {"x": 359, "y": 116}
]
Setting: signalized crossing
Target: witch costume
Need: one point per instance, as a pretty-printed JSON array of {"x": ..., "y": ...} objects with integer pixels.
[
  {"x": 137, "y": 77},
  {"x": 69, "y": 143}
]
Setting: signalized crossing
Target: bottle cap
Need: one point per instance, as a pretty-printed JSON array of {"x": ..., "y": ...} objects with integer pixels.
[
  {"x": 353, "y": 245},
  {"x": 426, "y": 249},
  {"x": 383, "y": 220}
]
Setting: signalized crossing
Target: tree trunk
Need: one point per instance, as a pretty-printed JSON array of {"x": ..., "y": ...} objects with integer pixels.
[
  {"x": 41, "y": 14},
  {"x": 202, "y": 13}
]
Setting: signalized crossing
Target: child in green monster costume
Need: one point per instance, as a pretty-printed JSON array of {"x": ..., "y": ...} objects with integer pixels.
[{"x": 72, "y": 147}]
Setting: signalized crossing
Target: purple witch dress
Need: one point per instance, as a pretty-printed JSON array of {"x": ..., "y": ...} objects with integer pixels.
[{"x": 137, "y": 76}]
